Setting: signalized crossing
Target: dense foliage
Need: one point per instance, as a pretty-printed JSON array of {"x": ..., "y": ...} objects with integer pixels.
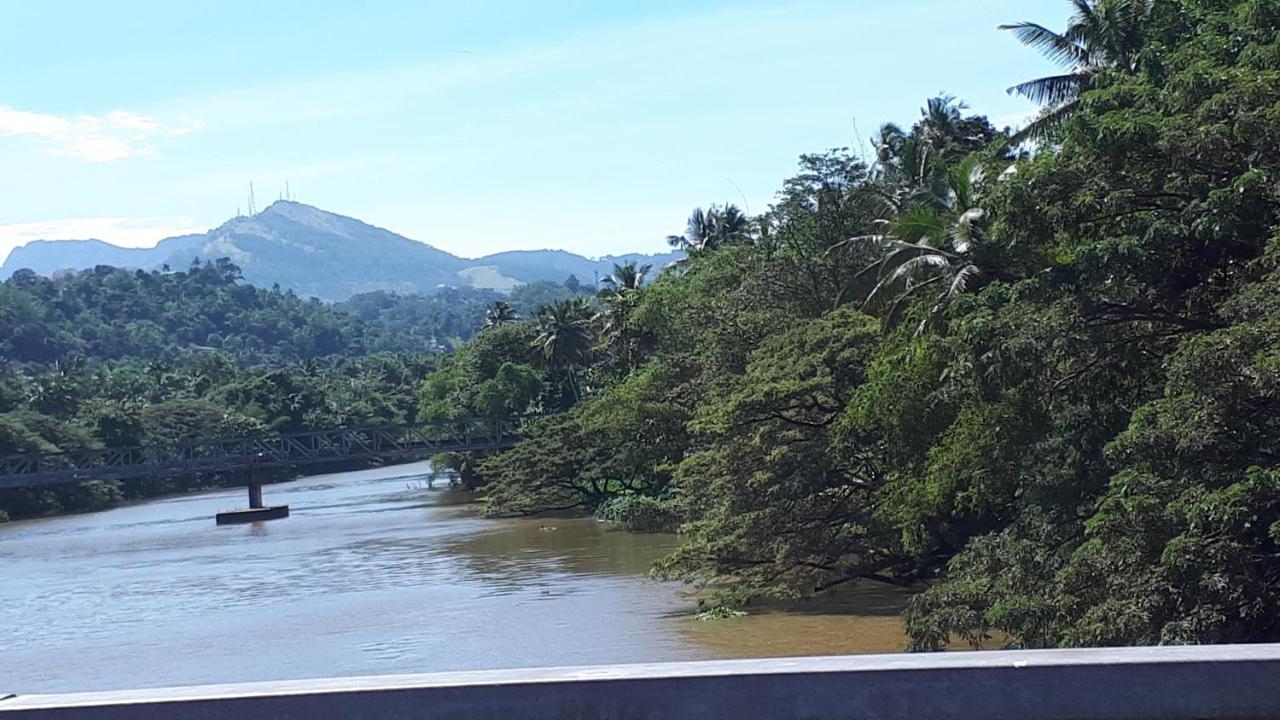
[
  {"x": 135, "y": 402},
  {"x": 410, "y": 323},
  {"x": 112, "y": 314},
  {"x": 118, "y": 358},
  {"x": 1043, "y": 387}
]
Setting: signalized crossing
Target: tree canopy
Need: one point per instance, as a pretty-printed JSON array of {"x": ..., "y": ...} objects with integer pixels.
[{"x": 1039, "y": 386}]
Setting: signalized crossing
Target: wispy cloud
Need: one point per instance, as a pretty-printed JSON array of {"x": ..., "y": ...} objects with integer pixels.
[
  {"x": 122, "y": 231},
  {"x": 117, "y": 135}
]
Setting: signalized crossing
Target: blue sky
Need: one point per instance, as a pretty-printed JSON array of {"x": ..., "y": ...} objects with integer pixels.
[{"x": 475, "y": 126}]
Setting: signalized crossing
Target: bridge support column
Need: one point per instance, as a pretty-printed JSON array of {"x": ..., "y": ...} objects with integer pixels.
[{"x": 258, "y": 510}]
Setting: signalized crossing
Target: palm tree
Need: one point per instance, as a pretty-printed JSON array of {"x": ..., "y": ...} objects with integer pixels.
[
  {"x": 905, "y": 165},
  {"x": 912, "y": 164},
  {"x": 499, "y": 313},
  {"x": 625, "y": 277},
  {"x": 618, "y": 299},
  {"x": 941, "y": 118},
  {"x": 565, "y": 338},
  {"x": 713, "y": 228},
  {"x": 1102, "y": 35},
  {"x": 927, "y": 244}
]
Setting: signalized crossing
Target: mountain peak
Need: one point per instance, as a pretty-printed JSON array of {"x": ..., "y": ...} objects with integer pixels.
[{"x": 293, "y": 208}]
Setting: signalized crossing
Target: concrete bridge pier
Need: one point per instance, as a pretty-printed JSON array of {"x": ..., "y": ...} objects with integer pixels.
[{"x": 258, "y": 510}]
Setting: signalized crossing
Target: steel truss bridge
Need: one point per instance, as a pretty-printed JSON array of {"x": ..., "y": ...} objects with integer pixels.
[{"x": 248, "y": 454}]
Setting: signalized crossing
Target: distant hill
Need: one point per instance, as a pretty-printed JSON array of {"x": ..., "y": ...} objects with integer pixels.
[
  {"x": 46, "y": 257},
  {"x": 323, "y": 254}
]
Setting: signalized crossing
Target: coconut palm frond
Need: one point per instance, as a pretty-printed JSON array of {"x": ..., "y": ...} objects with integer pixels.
[
  {"x": 861, "y": 244},
  {"x": 963, "y": 180},
  {"x": 963, "y": 281},
  {"x": 918, "y": 269},
  {"x": 1058, "y": 48},
  {"x": 966, "y": 230},
  {"x": 917, "y": 223},
  {"x": 1051, "y": 90},
  {"x": 1045, "y": 126}
]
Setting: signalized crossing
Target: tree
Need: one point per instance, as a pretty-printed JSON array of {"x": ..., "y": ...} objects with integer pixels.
[
  {"x": 1102, "y": 35},
  {"x": 928, "y": 245},
  {"x": 499, "y": 313},
  {"x": 565, "y": 341},
  {"x": 494, "y": 375},
  {"x": 1140, "y": 505},
  {"x": 626, "y": 278},
  {"x": 716, "y": 227},
  {"x": 778, "y": 506},
  {"x": 618, "y": 300},
  {"x": 619, "y": 444}
]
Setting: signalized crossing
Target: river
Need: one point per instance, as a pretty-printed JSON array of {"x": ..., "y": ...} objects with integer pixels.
[{"x": 374, "y": 573}]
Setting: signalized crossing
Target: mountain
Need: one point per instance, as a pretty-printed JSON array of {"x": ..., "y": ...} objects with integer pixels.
[
  {"x": 529, "y": 266},
  {"x": 46, "y": 257},
  {"x": 322, "y": 254}
]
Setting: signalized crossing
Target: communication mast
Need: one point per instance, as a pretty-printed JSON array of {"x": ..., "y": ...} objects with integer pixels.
[{"x": 253, "y": 207}]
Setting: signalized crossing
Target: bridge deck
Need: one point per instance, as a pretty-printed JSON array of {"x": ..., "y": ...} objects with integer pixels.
[{"x": 40, "y": 469}]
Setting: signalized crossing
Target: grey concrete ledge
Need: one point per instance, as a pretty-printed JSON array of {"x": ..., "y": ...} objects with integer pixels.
[{"x": 1231, "y": 682}]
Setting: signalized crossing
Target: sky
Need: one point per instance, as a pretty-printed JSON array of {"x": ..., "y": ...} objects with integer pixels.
[{"x": 475, "y": 126}]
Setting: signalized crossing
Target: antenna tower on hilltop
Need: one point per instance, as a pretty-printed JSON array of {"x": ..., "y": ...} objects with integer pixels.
[{"x": 253, "y": 207}]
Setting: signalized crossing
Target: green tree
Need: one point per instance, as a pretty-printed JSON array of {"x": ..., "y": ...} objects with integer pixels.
[
  {"x": 498, "y": 314},
  {"x": 565, "y": 341},
  {"x": 777, "y": 506},
  {"x": 712, "y": 228},
  {"x": 1102, "y": 35}
]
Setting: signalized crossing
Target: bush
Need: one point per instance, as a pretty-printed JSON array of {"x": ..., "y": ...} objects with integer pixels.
[
  {"x": 719, "y": 612},
  {"x": 640, "y": 513}
]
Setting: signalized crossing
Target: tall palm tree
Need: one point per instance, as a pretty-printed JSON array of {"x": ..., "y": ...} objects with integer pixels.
[
  {"x": 941, "y": 118},
  {"x": 927, "y": 244},
  {"x": 1101, "y": 35},
  {"x": 618, "y": 299},
  {"x": 713, "y": 228},
  {"x": 565, "y": 338},
  {"x": 625, "y": 277},
  {"x": 916, "y": 163},
  {"x": 499, "y": 313}
]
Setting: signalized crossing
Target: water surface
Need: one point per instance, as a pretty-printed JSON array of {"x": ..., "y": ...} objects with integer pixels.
[{"x": 374, "y": 573}]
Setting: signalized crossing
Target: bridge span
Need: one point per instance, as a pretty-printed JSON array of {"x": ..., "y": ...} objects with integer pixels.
[{"x": 245, "y": 455}]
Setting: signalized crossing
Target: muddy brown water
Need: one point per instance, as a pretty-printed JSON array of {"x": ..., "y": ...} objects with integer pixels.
[{"x": 374, "y": 573}]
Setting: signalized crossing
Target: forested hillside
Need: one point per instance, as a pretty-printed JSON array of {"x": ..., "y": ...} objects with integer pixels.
[
  {"x": 1039, "y": 383},
  {"x": 118, "y": 358},
  {"x": 111, "y": 314},
  {"x": 75, "y": 404}
]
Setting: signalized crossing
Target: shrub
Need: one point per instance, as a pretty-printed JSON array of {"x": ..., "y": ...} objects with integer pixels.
[{"x": 640, "y": 513}]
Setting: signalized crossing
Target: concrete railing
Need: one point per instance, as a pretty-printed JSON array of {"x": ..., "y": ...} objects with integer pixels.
[{"x": 1206, "y": 683}]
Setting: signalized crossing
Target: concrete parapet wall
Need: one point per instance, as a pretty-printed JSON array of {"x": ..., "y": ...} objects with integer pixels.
[{"x": 1205, "y": 683}]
